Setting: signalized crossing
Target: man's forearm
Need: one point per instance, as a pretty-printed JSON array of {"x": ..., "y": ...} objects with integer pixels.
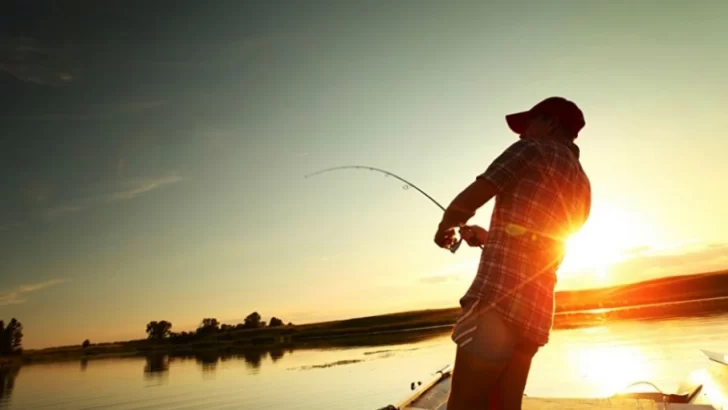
[{"x": 463, "y": 207}]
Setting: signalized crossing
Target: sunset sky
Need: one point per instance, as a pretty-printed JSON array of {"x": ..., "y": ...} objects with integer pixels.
[{"x": 153, "y": 157}]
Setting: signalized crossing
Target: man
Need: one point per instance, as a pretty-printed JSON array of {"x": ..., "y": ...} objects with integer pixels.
[{"x": 542, "y": 196}]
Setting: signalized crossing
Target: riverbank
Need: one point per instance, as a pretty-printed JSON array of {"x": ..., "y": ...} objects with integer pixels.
[{"x": 701, "y": 294}]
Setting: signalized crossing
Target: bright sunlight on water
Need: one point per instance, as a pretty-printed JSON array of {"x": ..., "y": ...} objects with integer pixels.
[{"x": 584, "y": 362}]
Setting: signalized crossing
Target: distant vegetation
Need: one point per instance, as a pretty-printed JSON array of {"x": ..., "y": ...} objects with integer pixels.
[
  {"x": 161, "y": 330},
  {"x": 643, "y": 300},
  {"x": 11, "y": 337},
  {"x": 662, "y": 290}
]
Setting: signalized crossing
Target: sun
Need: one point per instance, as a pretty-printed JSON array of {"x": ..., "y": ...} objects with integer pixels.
[{"x": 602, "y": 242}]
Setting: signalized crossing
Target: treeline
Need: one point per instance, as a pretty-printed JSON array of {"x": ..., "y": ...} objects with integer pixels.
[
  {"x": 661, "y": 290},
  {"x": 11, "y": 337},
  {"x": 161, "y": 330}
]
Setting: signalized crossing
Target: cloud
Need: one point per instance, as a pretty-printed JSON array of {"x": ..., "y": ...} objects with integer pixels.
[
  {"x": 654, "y": 263},
  {"x": 435, "y": 280},
  {"x": 29, "y": 61},
  {"x": 139, "y": 187},
  {"x": 88, "y": 112},
  {"x": 452, "y": 272},
  {"x": 17, "y": 295},
  {"x": 215, "y": 55},
  {"x": 138, "y": 106},
  {"x": 696, "y": 260},
  {"x": 130, "y": 190}
]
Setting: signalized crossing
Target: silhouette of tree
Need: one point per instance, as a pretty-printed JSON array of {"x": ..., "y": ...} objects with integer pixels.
[
  {"x": 208, "y": 326},
  {"x": 225, "y": 328},
  {"x": 252, "y": 321},
  {"x": 11, "y": 337},
  {"x": 158, "y": 330},
  {"x": 275, "y": 322},
  {"x": 86, "y": 343}
]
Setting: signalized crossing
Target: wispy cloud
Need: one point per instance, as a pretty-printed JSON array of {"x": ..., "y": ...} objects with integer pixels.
[
  {"x": 129, "y": 190},
  {"x": 95, "y": 112},
  {"x": 18, "y": 295},
  {"x": 138, "y": 106},
  {"x": 215, "y": 55},
  {"x": 650, "y": 263},
  {"x": 29, "y": 61},
  {"x": 451, "y": 273}
]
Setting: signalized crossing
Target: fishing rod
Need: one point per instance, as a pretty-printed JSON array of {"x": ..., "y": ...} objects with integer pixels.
[{"x": 407, "y": 185}]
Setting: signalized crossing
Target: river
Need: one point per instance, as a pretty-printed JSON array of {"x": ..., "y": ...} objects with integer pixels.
[{"x": 578, "y": 362}]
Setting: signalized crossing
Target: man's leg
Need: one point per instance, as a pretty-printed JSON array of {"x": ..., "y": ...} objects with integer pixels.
[
  {"x": 515, "y": 376},
  {"x": 485, "y": 346}
]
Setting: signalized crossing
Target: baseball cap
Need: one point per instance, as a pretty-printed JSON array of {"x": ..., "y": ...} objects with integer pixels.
[{"x": 565, "y": 110}]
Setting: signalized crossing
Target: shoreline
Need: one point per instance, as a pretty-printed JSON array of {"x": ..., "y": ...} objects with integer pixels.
[
  {"x": 412, "y": 327},
  {"x": 658, "y": 299}
]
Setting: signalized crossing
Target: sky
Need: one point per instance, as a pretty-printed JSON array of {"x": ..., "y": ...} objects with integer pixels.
[{"x": 153, "y": 157}]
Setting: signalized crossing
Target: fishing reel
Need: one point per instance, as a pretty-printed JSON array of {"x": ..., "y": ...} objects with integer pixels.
[{"x": 455, "y": 245}]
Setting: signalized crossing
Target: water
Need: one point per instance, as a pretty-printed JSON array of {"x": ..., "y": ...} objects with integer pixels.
[{"x": 583, "y": 362}]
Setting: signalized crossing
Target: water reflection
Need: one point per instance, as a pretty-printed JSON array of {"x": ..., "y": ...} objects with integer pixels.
[
  {"x": 253, "y": 358},
  {"x": 609, "y": 369},
  {"x": 276, "y": 354},
  {"x": 8, "y": 374},
  {"x": 84, "y": 364},
  {"x": 208, "y": 361},
  {"x": 156, "y": 366}
]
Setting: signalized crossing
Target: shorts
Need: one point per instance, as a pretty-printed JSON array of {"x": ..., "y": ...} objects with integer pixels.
[{"x": 481, "y": 331}]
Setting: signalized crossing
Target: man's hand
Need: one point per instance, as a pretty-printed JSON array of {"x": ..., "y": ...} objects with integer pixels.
[
  {"x": 474, "y": 235},
  {"x": 445, "y": 237}
]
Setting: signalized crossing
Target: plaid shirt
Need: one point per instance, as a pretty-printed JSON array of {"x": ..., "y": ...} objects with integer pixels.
[{"x": 543, "y": 196}]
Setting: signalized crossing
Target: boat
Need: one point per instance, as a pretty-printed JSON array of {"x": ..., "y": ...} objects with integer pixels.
[{"x": 703, "y": 389}]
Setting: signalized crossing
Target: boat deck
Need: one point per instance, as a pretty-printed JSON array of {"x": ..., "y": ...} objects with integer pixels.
[
  {"x": 435, "y": 398},
  {"x": 708, "y": 389}
]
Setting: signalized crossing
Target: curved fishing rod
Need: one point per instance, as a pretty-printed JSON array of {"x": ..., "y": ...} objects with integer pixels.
[{"x": 408, "y": 184}]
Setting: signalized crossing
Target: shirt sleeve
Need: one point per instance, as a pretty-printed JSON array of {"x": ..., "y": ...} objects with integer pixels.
[{"x": 508, "y": 168}]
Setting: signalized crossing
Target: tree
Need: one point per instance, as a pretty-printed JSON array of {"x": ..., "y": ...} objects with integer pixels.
[
  {"x": 11, "y": 337},
  {"x": 86, "y": 343},
  {"x": 252, "y": 321},
  {"x": 275, "y": 322},
  {"x": 208, "y": 325},
  {"x": 211, "y": 323},
  {"x": 158, "y": 330}
]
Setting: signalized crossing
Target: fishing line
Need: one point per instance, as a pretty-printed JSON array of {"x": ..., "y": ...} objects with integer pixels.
[
  {"x": 407, "y": 185},
  {"x": 387, "y": 173}
]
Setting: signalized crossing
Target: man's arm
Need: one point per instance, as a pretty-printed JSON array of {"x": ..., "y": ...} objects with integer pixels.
[
  {"x": 500, "y": 176},
  {"x": 463, "y": 207}
]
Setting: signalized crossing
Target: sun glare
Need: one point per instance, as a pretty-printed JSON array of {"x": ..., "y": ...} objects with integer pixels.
[
  {"x": 610, "y": 369},
  {"x": 602, "y": 242}
]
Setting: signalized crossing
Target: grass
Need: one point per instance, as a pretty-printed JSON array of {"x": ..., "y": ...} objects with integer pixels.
[{"x": 643, "y": 300}]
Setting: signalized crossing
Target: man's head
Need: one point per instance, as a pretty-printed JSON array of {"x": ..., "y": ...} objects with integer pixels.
[{"x": 552, "y": 118}]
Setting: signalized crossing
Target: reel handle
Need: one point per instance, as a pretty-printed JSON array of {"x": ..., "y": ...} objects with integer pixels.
[{"x": 454, "y": 247}]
